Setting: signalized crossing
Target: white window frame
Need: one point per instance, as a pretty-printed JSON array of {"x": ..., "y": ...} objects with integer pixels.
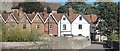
[
  {"x": 50, "y": 26},
  {"x": 37, "y": 26}
]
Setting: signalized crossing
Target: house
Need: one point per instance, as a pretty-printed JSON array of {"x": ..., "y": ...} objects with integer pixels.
[
  {"x": 24, "y": 22},
  {"x": 81, "y": 26},
  {"x": 51, "y": 25},
  {"x": 37, "y": 22},
  {"x": 64, "y": 26},
  {"x": 73, "y": 24},
  {"x": 93, "y": 22}
]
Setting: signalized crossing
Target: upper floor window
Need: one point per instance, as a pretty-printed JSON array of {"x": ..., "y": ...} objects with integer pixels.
[
  {"x": 80, "y": 18},
  {"x": 37, "y": 26},
  {"x": 64, "y": 26},
  {"x": 50, "y": 26},
  {"x": 24, "y": 26},
  {"x": 63, "y": 18},
  {"x": 80, "y": 26}
]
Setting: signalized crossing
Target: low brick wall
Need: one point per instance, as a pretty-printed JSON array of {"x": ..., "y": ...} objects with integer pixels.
[{"x": 50, "y": 43}]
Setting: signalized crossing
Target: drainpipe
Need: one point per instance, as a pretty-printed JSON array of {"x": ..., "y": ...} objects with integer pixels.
[{"x": 48, "y": 26}]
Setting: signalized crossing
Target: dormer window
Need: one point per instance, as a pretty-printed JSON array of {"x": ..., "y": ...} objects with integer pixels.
[
  {"x": 63, "y": 18},
  {"x": 80, "y": 18}
]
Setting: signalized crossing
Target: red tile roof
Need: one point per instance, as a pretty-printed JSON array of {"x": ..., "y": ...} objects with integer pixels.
[
  {"x": 91, "y": 18},
  {"x": 57, "y": 16},
  {"x": 72, "y": 17}
]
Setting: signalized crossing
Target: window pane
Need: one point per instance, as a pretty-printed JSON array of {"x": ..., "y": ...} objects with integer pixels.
[
  {"x": 80, "y": 26},
  {"x": 63, "y": 18},
  {"x": 50, "y": 26},
  {"x": 64, "y": 26},
  {"x": 24, "y": 26},
  {"x": 37, "y": 27},
  {"x": 80, "y": 18}
]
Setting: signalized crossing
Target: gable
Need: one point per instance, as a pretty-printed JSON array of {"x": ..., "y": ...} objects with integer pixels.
[
  {"x": 24, "y": 19},
  {"x": 83, "y": 21},
  {"x": 37, "y": 19},
  {"x": 51, "y": 18},
  {"x": 65, "y": 19},
  {"x": 10, "y": 19}
]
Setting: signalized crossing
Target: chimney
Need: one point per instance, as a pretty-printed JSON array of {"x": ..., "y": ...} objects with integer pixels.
[
  {"x": 54, "y": 11},
  {"x": 33, "y": 12},
  {"x": 70, "y": 10},
  {"x": 21, "y": 12}
]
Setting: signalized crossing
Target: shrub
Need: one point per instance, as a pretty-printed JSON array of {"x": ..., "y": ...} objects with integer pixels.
[
  {"x": 113, "y": 37},
  {"x": 18, "y": 35}
]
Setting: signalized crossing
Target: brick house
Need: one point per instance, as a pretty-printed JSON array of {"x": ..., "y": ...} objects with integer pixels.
[
  {"x": 37, "y": 22},
  {"x": 24, "y": 22},
  {"x": 51, "y": 25}
]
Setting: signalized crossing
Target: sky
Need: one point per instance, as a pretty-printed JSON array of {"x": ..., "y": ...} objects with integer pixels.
[{"x": 63, "y": 1}]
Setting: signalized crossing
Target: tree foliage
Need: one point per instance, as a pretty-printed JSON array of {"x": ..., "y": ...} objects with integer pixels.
[
  {"x": 49, "y": 10},
  {"x": 29, "y": 7},
  {"x": 82, "y": 7},
  {"x": 108, "y": 11},
  {"x": 63, "y": 9}
]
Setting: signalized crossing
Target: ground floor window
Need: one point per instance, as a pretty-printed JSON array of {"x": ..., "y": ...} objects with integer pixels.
[
  {"x": 50, "y": 26},
  {"x": 37, "y": 26},
  {"x": 24, "y": 26}
]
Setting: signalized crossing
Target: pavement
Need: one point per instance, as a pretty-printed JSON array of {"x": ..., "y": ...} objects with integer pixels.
[{"x": 98, "y": 46}]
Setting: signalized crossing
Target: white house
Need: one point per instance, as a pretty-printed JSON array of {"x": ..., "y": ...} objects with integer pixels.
[
  {"x": 80, "y": 26},
  {"x": 77, "y": 26},
  {"x": 64, "y": 26}
]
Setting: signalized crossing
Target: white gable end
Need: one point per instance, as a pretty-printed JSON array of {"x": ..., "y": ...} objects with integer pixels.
[
  {"x": 64, "y": 26},
  {"x": 83, "y": 21},
  {"x": 80, "y": 26}
]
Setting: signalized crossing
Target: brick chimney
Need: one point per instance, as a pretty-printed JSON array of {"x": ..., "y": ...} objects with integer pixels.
[
  {"x": 21, "y": 12},
  {"x": 70, "y": 10}
]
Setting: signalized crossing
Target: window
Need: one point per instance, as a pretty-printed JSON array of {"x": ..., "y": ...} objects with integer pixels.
[
  {"x": 80, "y": 26},
  {"x": 80, "y": 18},
  {"x": 64, "y": 26},
  {"x": 24, "y": 26},
  {"x": 37, "y": 26},
  {"x": 50, "y": 26},
  {"x": 63, "y": 18}
]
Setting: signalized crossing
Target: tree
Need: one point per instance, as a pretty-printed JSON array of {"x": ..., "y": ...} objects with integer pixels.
[
  {"x": 108, "y": 11},
  {"x": 49, "y": 10},
  {"x": 29, "y": 7},
  {"x": 81, "y": 7},
  {"x": 63, "y": 9}
]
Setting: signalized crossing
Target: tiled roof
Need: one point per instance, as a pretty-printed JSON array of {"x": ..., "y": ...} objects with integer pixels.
[
  {"x": 72, "y": 17},
  {"x": 91, "y": 18},
  {"x": 57, "y": 16}
]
